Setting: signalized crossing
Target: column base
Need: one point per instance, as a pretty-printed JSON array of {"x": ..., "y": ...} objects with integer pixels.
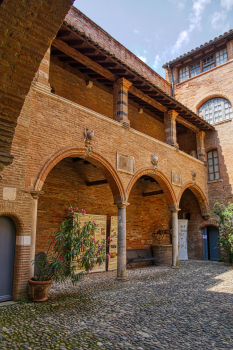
[
  {"x": 122, "y": 279},
  {"x": 175, "y": 267}
]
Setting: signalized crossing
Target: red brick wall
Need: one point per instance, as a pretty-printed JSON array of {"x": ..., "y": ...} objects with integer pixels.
[
  {"x": 74, "y": 89},
  {"x": 187, "y": 142}
]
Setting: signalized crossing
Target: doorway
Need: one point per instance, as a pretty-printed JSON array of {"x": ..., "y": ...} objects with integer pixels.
[
  {"x": 210, "y": 239},
  {"x": 7, "y": 256}
]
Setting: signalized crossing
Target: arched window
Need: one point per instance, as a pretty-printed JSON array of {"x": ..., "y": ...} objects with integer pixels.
[
  {"x": 213, "y": 165},
  {"x": 215, "y": 110}
]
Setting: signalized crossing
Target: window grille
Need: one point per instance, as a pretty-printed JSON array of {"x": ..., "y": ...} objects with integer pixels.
[
  {"x": 221, "y": 57},
  {"x": 195, "y": 69},
  {"x": 213, "y": 166},
  {"x": 184, "y": 73},
  {"x": 216, "y": 110}
]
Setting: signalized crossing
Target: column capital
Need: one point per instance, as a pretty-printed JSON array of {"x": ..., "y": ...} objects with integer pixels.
[
  {"x": 172, "y": 114},
  {"x": 174, "y": 207},
  {"x": 36, "y": 194},
  {"x": 121, "y": 201},
  {"x": 124, "y": 83}
]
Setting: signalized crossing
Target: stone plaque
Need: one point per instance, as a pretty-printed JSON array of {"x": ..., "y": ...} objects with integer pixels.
[
  {"x": 125, "y": 163},
  {"x": 176, "y": 178},
  {"x": 9, "y": 193}
]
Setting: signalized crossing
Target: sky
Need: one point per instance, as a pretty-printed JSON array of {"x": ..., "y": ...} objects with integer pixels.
[{"x": 159, "y": 30}]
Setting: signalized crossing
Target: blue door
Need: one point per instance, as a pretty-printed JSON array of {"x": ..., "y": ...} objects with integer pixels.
[
  {"x": 7, "y": 255},
  {"x": 213, "y": 239},
  {"x": 205, "y": 244}
]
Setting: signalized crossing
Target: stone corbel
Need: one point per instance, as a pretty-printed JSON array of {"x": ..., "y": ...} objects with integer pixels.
[
  {"x": 194, "y": 174},
  {"x": 205, "y": 216},
  {"x": 5, "y": 159}
]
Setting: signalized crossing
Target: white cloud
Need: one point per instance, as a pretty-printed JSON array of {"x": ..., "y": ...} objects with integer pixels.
[
  {"x": 217, "y": 19},
  {"x": 194, "y": 18},
  {"x": 136, "y": 31},
  {"x": 180, "y": 3},
  {"x": 142, "y": 58},
  {"x": 227, "y": 4},
  {"x": 156, "y": 62}
]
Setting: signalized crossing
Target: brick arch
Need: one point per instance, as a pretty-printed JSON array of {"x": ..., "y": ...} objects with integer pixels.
[
  {"x": 27, "y": 31},
  {"x": 210, "y": 222},
  {"x": 213, "y": 95},
  {"x": 160, "y": 178},
  {"x": 199, "y": 194},
  {"x": 16, "y": 219},
  {"x": 101, "y": 163}
]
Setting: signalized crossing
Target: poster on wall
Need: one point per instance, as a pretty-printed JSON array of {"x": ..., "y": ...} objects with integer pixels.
[
  {"x": 112, "y": 262},
  {"x": 99, "y": 234},
  {"x": 183, "y": 239}
]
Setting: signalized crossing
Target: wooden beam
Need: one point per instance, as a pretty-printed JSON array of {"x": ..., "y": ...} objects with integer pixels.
[
  {"x": 96, "y": 183},
  {"x": 60, "y": 45},
  {"x": 133, "y": 90},
  {"x": 153, "y": 193},
  {"x": 188, "y": 125}
]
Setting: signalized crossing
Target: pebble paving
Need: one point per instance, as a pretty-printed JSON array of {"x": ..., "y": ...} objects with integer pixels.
[{"x": 157, "y": 308}]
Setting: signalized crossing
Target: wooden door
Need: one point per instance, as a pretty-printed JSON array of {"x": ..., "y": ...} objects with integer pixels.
[{"x": 7, "y": 255}]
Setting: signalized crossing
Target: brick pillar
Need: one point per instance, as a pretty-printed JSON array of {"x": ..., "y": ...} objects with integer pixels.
[
  {"x": 230, "y": 50},
  {"x": 170, "y": 128},
  {"x": 120, "y": 101},
  {"x": 41, "y": 79},
  {"x": 35, "y": 195},
  {"x": 21, "y": 265},
  {"x": 201, "y": 145}
]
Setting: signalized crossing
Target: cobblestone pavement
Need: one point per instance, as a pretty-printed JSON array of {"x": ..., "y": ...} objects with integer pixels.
[{"x": 157, "y": 308}]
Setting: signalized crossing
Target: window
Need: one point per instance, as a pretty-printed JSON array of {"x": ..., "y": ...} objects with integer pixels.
[
  {"x": 184, "y": 73},
  {"x": 221, "y": 57},
  {"x": 208, "y": 62},
  {"x": 213, "y": 165},
  {"x": 216, "y": 110},
  {"x": 195, "y": 69}
]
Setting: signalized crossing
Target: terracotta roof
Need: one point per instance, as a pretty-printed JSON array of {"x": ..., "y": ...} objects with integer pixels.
[{"x": 226, "y": 35}]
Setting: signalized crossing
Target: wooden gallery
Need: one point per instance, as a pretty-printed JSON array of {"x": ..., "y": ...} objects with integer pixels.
[{"x": 101, "y": 130}]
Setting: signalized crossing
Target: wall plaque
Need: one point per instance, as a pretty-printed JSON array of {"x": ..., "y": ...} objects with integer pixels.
[
  {"x": 176, "y": 178},
  {"x": 125, "y": 163}
]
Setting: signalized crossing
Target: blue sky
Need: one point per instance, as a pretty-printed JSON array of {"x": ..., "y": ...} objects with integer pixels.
[{"x": 159, "y": 30}]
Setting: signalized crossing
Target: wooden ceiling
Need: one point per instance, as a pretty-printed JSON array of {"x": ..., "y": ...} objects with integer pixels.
[{"x": 81, "y": 56}]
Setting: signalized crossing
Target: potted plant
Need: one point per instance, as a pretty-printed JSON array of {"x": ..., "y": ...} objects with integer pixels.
[{"x": 73, "y": 252}]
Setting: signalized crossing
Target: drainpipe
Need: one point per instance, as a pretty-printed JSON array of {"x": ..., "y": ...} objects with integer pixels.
[{"x": 172, "y": 81}]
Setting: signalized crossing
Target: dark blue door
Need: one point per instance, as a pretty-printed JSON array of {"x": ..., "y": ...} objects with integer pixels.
[
  {"x": 214, "y": 251},
  {"x": 205, "y": 244},
  {"x": 7, "y": 255}
]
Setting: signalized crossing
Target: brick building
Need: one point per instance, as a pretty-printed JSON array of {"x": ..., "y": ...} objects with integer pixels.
[{"x": 101, "y": 130}]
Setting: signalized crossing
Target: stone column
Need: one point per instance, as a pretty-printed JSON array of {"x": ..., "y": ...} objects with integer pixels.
[
  {"x": 175, "y": 246},
  {"x": 121, "y": 251},
  {"x": 120, "y": 101},
  {"x": 41, "y": 79},
  {"x": 200, "y": 136},
  {"x": 35, "y": 195},
  {"x": 170, "y": 128}
]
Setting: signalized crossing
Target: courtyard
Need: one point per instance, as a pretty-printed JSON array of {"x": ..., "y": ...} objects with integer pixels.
[{"x": 157, "y": 308}]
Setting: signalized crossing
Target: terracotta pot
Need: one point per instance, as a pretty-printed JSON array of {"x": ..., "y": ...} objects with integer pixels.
[{"x": 39, "y": 290}]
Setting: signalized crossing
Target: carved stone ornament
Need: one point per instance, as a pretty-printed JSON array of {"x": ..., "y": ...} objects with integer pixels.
[
  {"x": 206, "y": 216},
  {"x": 154, "y": 161},
  {"x": 89, "y": 141},
  {"x": 194, "y": 174}
]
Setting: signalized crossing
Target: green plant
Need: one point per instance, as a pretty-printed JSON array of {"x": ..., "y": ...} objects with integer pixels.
[
  {"x": 73, "y": 251},
  {"x": 224, "y": 220}
]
